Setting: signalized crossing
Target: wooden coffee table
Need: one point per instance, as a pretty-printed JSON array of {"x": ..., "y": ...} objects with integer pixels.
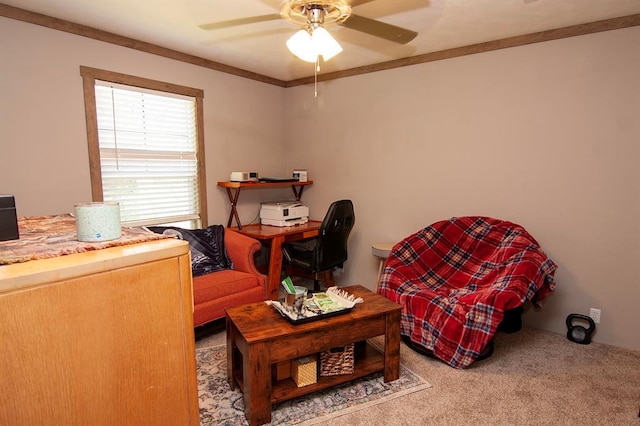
[{"x": 258, "y": 339}]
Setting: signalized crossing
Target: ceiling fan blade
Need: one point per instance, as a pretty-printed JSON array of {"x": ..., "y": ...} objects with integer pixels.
[
  {"x": 354, "y": 3},
  {"x": 240, "y": 21},
  {"x": 379, "y": 29}
]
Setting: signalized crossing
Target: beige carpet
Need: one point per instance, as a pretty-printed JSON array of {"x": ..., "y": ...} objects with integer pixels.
[{"x": 533, "y": 378}]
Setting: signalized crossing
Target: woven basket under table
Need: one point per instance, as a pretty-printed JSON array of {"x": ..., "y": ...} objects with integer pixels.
[{"x": 337, "y": 361}]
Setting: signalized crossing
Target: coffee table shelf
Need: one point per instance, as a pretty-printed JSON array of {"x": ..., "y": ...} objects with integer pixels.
[{"x": 368, "y": 360}]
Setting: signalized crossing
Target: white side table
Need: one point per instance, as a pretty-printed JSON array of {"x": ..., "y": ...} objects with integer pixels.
[{"x": 381, "y": 250}]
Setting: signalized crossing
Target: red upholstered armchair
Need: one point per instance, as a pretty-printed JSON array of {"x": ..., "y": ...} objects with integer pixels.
[
  {"x": 456, "y": 279},
  {"x": 216, "y": 291}
]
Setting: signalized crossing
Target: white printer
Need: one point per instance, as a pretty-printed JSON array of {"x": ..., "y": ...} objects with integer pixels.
[{"x": 283, "y": 213}]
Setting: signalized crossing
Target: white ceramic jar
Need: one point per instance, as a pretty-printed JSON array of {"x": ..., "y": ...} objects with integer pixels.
[{"x": 98, "y": 221}]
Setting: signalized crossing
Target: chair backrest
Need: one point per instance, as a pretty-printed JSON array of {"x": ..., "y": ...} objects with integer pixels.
[
  {"x": 331, "y": 245},
  {"x": 464, "y": 252}
]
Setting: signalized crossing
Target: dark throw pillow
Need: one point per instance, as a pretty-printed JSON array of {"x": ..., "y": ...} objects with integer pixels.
[{"x": 208, "y": 253}]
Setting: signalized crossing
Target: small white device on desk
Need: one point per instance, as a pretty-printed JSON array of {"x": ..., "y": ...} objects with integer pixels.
[
  {"x": 243, "y": 177},
  {"x": 284, "y": 213}
]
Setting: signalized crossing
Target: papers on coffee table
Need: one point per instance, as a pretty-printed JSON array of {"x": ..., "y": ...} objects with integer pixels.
[{"x": 320, "y": 305}]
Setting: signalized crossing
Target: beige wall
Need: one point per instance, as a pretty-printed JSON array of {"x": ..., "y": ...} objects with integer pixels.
[
  {"x": 545, "y": 135},
  {"x": 43, "y": 154}
]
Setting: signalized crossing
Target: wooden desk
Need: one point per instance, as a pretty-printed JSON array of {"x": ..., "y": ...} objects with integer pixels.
[
  {"x": 297, "y": 188},
  {"x": 275, "y": 236}
]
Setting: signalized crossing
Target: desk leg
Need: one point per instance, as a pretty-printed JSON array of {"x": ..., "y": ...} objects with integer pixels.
[
  {"x": 392, "y": 347},
  {"x": 257, "y": 384},
  {"x": 297, "y": 191},
  {"x": 275, "y": 268},
  {"x": 233, "y": 199}
]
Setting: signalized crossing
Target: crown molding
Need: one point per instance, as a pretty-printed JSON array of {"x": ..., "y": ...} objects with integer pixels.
[
  {"x": 105, "y": 36},
  {"x": 539, "y": 37}
]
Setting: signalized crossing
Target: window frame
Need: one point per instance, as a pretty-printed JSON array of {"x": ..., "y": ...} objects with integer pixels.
[{"x": 89, "y": 77}]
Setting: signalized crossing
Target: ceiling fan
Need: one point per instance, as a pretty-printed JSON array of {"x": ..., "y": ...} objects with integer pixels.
[{"x": 313, "y": 41}]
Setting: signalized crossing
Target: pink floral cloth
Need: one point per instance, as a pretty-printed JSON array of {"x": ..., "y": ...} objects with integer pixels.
[{"x": 43, "y": 237}]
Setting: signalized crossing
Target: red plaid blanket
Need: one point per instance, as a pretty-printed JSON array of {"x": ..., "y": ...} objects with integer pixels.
[{"x": 456, "y": 278}]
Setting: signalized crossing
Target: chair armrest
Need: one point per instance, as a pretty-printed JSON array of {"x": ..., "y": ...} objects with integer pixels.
[
  {"x": 241, "y": 250},
  {"x": 308, "y": 245}
]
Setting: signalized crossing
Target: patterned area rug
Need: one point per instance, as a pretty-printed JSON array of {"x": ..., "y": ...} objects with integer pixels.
[{"x": 219, "y": 405}]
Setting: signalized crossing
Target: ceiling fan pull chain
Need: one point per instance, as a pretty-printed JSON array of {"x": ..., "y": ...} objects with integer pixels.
[{"x": 315, "y": 76}]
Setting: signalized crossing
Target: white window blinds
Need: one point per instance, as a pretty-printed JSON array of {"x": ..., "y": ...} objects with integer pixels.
[{"x": 148, "y": 153}]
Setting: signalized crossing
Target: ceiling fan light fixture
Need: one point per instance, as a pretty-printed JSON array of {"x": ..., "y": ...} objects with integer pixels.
[
  {"x": 300, "y": 45},
  {"x": 309, "y": 44},
  {"x": 325, "y": 44}
]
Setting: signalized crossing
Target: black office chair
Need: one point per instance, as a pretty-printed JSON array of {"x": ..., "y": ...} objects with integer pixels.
[{"x": 329, "y": 249}]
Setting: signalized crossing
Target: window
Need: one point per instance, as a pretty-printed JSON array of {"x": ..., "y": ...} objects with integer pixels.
[{"x": 146, "y": 148}]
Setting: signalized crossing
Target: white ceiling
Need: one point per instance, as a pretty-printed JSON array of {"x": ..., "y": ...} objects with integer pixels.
[{"x": 260, "y": 47}]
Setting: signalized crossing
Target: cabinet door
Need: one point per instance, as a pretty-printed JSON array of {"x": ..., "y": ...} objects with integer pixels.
[{"x": 113, "y": 348}]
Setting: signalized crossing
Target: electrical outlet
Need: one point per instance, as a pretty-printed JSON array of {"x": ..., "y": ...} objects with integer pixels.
[{"x": 595, "y": 315}]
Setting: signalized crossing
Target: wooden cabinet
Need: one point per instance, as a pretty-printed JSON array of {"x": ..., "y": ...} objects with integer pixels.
[{"x": 99, "y": 338}]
